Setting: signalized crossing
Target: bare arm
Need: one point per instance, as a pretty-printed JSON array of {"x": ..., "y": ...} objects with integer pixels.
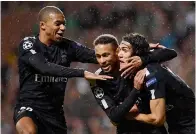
[
  {"x": 157, "y": 116},
  {"x": 157, "y": 102}
]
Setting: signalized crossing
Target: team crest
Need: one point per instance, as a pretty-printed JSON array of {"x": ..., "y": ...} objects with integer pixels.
[
  {"x": 99, "y": 93},
  {"x": 27, "y": 45}
]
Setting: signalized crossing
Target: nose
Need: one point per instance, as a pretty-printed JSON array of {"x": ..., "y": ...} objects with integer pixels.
[
  {"x": 102, "y": 61},
  {"x": 120, "y": 54},
  {"x": 62, "y": 27}
]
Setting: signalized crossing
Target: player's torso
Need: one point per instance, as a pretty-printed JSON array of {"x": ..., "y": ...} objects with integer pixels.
[
  {"x": 180, "y": 99},
  {"x": 143, "y": 104},
  {"x": 41, "y": 89},
  {"x": 118, "y": 89}
]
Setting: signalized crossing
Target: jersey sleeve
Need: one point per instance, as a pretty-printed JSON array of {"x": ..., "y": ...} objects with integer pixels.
[
  {"x": 159, "y": 55},
  {"x": 102, "y": 98},
  {"x": 83, "y": 54},
  {"x": 31, "y": 56},
  {"x": 116, "y": 111},
  {"x": 27, "y": 48},
  {"x": 154, "y": 85}
]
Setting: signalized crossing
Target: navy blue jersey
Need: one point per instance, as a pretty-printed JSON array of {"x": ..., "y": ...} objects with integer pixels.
[
  {"x": 116, "y": 97},
  {"x": 44, "y": 71},
  {"x": 180, "y": 99}
]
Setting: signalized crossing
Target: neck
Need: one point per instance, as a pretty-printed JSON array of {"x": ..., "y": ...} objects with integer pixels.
[
  {"x": 116, "y": 71},
  {"x": 44, "y": 39}
]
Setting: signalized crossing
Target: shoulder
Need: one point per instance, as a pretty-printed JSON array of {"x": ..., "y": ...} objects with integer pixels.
[
  {"x": 154, "y": 74},
  {"x": 153, "y": 68},
  {"x": 72, "y": 43},
  {"x": 28, "y": 42},
  {"x": 68, "y": 42},
  {"x": 29, "y": 39}
]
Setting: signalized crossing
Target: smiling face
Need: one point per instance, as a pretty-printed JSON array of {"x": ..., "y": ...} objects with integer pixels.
[
  {"x": 54, "y": 26},
  {"x": 125, "y": 51},
  {"x": 106, "y": 57}
]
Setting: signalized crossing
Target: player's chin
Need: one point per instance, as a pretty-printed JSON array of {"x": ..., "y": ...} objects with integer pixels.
[
  {"x": 58, "y": 39},
  {"x": 107, "y": 69}
]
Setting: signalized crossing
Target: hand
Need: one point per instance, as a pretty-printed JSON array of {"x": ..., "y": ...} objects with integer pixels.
[
  {"x": 157, "y": 45},
  {"x": 133, "y": 112},
  {"x": 134, "y": 109},
  {"x": 134, "y": 63},
  {"x": 92, "y": 76},
  {"x": 139, "y": 79}
]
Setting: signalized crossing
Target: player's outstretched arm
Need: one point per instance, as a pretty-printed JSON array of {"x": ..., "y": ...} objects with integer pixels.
[
  {"x": 157, "y": 45},
  {"x": 29, "y": 54},
  {"x": 159, "y": 54},
  {"x": 38, "y": 62},
  {"x": 48, "y": 68},
  {"x": 93, "y": 76},
  {"x": 83, "y": 54}
]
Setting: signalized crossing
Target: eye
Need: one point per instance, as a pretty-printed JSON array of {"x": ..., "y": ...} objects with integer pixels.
[
  {"x": 98, "y": 56},
  {"x": 125, "y": 50},
  {"x": 57, "y": 24},
  {"x": 105, "y": 54}
]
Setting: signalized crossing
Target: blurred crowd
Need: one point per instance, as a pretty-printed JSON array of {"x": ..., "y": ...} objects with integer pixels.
[{"x": 172, "y": 24}]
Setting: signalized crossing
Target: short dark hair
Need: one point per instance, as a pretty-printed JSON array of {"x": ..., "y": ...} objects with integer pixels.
[
  {"x": 45, "y": 11},
  {"x": 106, "y": 39},
  {"x": 139, "y": 43}
]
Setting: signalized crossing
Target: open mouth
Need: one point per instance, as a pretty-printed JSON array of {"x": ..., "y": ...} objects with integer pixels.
[
  {"x": 60, "y": 34},
  {"x": 121, "y": 61},
  {"x": 106, "y": 67}
]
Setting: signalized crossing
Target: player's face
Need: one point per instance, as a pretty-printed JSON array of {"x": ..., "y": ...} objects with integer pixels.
[
  {"x": 55, "y": 26},
  {"x": 106, "y": 57},
  {"x": 125, "y": 51}
]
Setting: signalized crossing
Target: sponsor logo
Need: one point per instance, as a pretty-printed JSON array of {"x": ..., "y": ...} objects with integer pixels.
[
  {"x": 44, "y": 78},
  {"x": 151, "y": 81}
]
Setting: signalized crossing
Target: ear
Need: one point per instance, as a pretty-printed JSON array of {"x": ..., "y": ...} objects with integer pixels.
[
  {"x": 42, "y": 25},
  {"x": 117, "y": 51}
]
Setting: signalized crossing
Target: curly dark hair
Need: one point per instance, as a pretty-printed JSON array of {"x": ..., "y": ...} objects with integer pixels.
[{"x": 139, "y": 43}]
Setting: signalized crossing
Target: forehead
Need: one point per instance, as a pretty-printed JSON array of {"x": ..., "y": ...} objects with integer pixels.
[
  {"x": 104, "y": 48},
  {"x": 125, "y": 45},
  {"x": 56, "y": 17}
]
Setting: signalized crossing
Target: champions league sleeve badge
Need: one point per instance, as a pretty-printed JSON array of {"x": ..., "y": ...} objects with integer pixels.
[
  {"x": 99, "y": 93},
  {"x": 27, "y": 45}
]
